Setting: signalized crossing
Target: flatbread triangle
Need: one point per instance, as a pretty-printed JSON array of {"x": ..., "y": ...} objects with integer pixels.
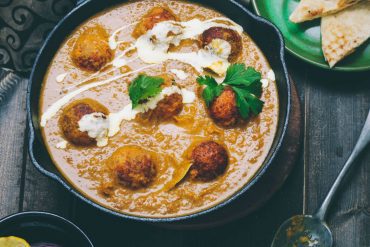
[
  {"x": 343, "y": 32},
  {"x": 312, "y": 9}
]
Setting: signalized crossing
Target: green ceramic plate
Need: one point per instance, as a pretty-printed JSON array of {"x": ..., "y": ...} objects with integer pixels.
[{"x": 304, "y": 40}]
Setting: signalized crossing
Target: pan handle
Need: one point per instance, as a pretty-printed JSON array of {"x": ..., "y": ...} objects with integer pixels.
[
  {"x": 34, "y": 155},
  {"x": 32, "y": 146}
]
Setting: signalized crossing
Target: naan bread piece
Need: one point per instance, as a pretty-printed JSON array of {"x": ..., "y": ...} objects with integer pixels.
[
  {"x": 312, "y": 9},
  {"x": 343, "y": 32}
]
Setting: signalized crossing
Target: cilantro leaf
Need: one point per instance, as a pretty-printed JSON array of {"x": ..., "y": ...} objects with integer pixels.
[
  {"x": 256, "y": 105},
  {"x": 207, "y": 80},
  {"x": 208, "y": 95},
  {"x": 247, "y": 102},
  {"x": 238, "y": 75},
  {"x": 219, "y": 89},
  {"x": 212, "y": 90},
  {"x": 144, "y": 87},
  {"x": 254, "y": 88},
  {"x": 245, "y": 82},
  {"x": 242, "y": 104}
]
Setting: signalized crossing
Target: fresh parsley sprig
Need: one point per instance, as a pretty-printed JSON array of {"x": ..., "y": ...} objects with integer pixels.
[
  {"x": 144, "y": 87},
  {"x": 245, "y": 82}
]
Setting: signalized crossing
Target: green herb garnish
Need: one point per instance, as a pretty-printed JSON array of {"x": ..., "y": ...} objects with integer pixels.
[
  {"x": 212, "y": 90},
  {"x": 245, "y": 82},
  {"x": 144, "y": 87}
]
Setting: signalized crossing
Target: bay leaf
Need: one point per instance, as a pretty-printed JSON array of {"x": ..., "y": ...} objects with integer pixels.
[{"x": 178, "y": 175}]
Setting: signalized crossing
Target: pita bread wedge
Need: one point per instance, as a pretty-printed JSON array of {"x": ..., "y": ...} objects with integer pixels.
[
  {"x": 312, "y": 9},
  {"x": 343, "y": 32}
]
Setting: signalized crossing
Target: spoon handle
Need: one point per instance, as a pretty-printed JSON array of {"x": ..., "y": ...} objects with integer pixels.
[{"x": 362, "y": 142}]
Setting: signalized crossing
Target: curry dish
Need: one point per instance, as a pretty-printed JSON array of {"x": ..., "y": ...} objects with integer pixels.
[{"x": 159, "y": 108}]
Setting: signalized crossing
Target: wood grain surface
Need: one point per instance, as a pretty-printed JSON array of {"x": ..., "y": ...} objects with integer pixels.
[
  {"x": 12, "y": 151},
  {"x": 335, "y": 106}
]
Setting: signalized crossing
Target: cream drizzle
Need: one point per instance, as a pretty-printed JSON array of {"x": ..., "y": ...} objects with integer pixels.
[
  {"x": 61, "y": 144},
  {"x": 182, "y": 75},
  {"x": 271, "y": 75},
  {"x": 56, "y": 106},
  {"x": 153, "y": 46},
  {"x": 265, "y": 83},
  {"x": 220, "y": 47},
  {"x": 96, "y": 125},
  {"x": 60, "y": 78},
  {"x": 120, "y": 57},
  {"x": 112, "y": 39}
]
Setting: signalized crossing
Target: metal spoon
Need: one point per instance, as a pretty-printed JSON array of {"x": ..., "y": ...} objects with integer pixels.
[{"x": 311, "y": 230}]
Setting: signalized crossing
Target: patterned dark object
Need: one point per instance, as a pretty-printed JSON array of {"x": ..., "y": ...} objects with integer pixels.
[
  {"x": 8, "y": 80},
  {"x": 24, "y": 24}
]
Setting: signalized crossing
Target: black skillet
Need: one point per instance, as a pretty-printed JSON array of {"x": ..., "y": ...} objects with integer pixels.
[{"x": 268, "y": 178}]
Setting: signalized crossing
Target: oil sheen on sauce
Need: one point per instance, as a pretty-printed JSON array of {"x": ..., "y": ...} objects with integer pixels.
[{"x": 86, "y": 168}]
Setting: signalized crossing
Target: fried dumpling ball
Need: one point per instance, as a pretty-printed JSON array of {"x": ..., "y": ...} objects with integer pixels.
[
  {"x": 168, "y": 107},
  {"x": 91, "y": 50},
  {"x": 223, "y": 109},
  {"x": 72, "y": 114},
  {"x": 212, "y": 38},
  {"x": 154, "y": 16},
  {"x": 133, "y": 166},
  {"x": 210, "y": 160}
]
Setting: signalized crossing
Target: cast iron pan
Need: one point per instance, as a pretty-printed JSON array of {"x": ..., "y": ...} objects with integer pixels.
[{"x": 267, "y": 37}]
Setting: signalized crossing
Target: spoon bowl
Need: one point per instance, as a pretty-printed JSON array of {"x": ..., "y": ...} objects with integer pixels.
[{"x": 302, "y": 231}]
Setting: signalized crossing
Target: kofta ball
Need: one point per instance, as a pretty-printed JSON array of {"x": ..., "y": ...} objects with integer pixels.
[
  {"x": 210, "y": 160},
  {"x": 91, "y": 50},
  {"x": 228, "y": 35},
  {"x": 72, "y": 114},
  {"x": 223, "y": 109},
  {"x": 154, "y": 16},
  {"x": 168, "y": 107},
  {"x": 133, "y": 166}
]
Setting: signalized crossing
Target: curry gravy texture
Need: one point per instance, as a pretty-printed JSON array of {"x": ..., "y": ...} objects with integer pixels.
[{"x": 171, "y": 142}]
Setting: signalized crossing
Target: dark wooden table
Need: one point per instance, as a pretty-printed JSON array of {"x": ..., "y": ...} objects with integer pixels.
[{"x": 334, "y": 105}]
